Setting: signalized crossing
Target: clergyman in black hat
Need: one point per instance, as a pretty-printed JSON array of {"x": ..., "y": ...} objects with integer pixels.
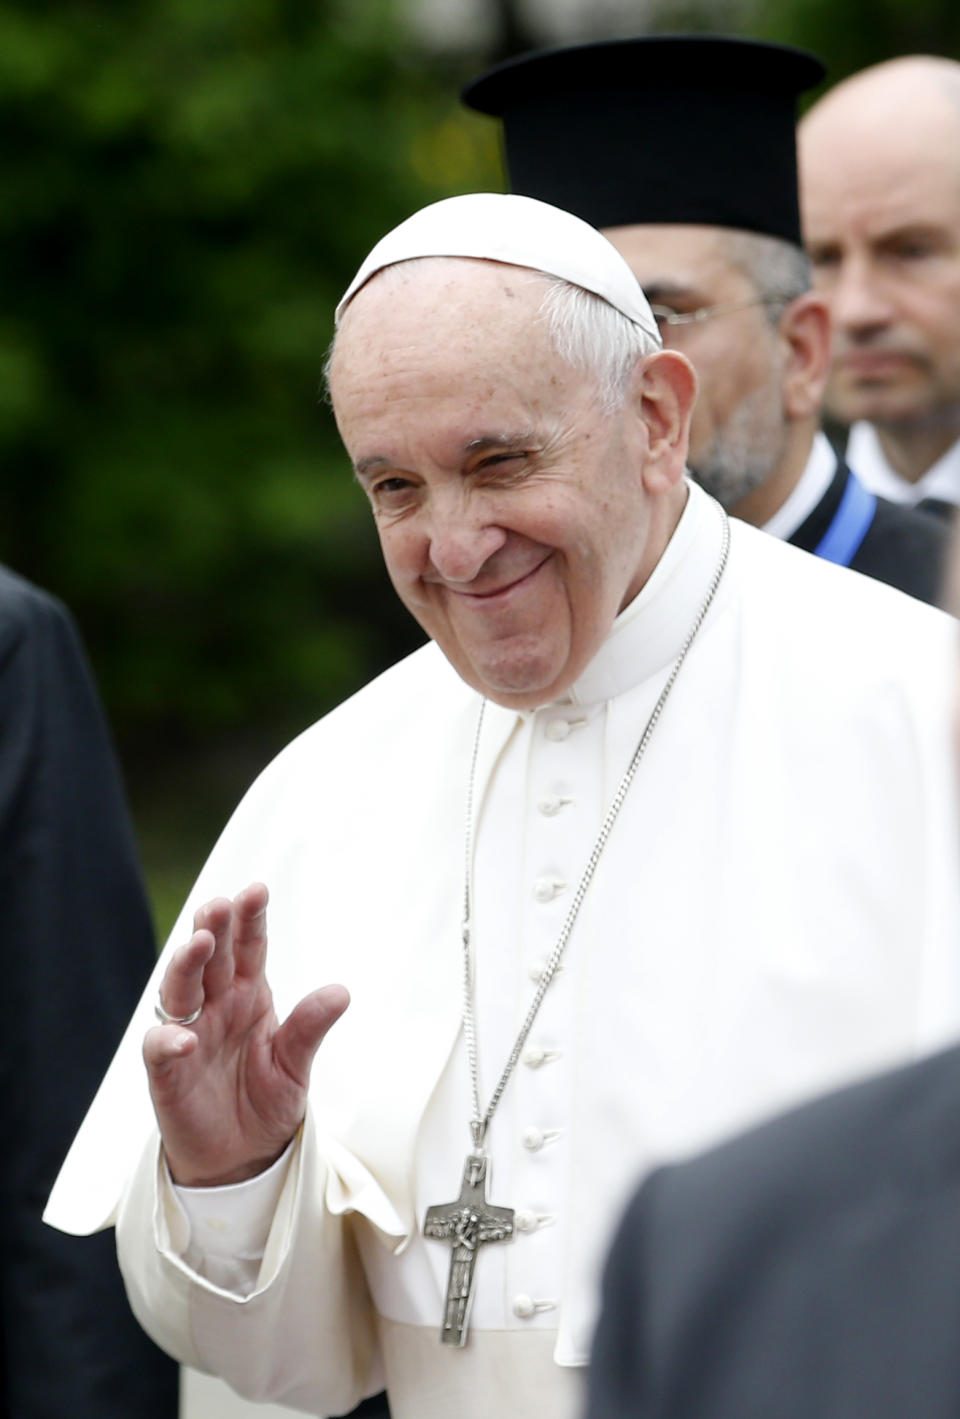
[{"x": 682, "y": 150}]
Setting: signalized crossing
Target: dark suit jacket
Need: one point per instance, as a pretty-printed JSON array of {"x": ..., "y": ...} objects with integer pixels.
[
  {"x": 903, "y": 547},
  {"x": 77, "y": 946},
  {"x": 808, "y": 1270}
]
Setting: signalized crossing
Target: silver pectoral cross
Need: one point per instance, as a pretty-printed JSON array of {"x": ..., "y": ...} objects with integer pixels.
[{"x": 466, "y": 1224}]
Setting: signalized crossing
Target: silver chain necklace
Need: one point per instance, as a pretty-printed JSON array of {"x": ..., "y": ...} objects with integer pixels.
[{"x": 470, "y": 1220}]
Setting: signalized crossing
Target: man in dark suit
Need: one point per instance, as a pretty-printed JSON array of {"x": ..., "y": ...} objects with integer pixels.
[
  {"x": 880, "y": 179},
  {"x": 808, "y": 1270},
  {"x": 77, "y": 949},
  {"x": 682, "y": 150}
]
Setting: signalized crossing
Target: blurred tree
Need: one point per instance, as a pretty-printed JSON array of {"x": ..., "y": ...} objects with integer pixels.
[
  {"x": 185, "y": 190},
  {"x": 854, "y": 33},
  {"x": 848, "y": 33}
]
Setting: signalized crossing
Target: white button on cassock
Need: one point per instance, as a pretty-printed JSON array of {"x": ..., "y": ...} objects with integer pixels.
[
  {"x": 557, "y": 730},
  {"x": 546, "y": 888},
  {"x": 523, "y": 1306},
  {"x": 533, "y": 1138},
  {"x": 534, "y": 1057},
  {"x": 526, "y": 1221},
  {"x": 536, "y": 969}
]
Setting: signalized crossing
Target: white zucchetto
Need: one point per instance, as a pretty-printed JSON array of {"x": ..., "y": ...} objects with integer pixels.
[{"x": 519, "y": 231}]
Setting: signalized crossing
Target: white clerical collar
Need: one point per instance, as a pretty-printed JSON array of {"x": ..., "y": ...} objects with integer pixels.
[
  {"x": 809, "y": 491},
  {"x": 869, "y": 462},
  {"x": 650, "y": 632}
]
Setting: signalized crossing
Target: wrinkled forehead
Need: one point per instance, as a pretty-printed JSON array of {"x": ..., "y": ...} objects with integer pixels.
[
  {"x": 858, "y": 199},
  {"x": 436, "y": 304},
  {"x": 453, "y": 342}
]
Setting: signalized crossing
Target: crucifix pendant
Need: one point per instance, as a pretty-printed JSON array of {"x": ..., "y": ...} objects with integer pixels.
[{"x": 466, "y": 1224}]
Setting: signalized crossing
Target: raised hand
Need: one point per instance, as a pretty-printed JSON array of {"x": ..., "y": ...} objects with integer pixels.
[{"x": 230, "y": 1089}]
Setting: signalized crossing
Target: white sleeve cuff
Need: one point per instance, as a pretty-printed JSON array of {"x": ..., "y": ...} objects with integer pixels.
[{"x": 223, "y": 1230}]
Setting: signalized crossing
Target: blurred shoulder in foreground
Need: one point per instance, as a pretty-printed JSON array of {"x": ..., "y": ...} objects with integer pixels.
[{"x": 810, "y": 1267}]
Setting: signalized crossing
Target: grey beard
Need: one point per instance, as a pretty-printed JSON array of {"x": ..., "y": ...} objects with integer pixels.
[
  {"x": 727, "y": 478},
  {"x": 746, "y": 451}
]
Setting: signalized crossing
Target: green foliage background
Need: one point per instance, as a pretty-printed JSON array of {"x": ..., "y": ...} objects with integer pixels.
[{"x": 185, "y": 190}]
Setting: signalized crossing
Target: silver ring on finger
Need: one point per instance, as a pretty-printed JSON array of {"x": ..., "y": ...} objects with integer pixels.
[{"x": 166, "y": 1018}]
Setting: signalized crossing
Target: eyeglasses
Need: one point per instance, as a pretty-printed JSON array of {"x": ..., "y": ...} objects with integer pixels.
[{"x": 665, "y": 315}]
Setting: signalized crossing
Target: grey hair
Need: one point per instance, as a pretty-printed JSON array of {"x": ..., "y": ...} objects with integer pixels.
[
  {"x": 778, "y": 270},
  {"x": 584, "y": 330},
  {"x": 594, "y": 337}
]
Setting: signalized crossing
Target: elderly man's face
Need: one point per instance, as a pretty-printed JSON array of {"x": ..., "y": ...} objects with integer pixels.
[
  {"x": 511, "y": 510},
  {"x": 881, "y": 212},
  {"x": 738, "y": 431}
]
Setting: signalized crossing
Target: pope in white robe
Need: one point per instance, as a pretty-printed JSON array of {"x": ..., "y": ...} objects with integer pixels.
[{"x": 775, "y": 909}]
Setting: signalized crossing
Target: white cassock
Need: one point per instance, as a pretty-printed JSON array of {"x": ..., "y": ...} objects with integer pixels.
[{"x": 776, "y": 911}]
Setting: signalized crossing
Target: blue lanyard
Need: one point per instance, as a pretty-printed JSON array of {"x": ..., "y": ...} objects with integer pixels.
[{"x": 851, "y": 521}]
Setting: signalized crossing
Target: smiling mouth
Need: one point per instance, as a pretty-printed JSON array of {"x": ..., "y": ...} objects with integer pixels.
[{"x": 499, "y": 593}]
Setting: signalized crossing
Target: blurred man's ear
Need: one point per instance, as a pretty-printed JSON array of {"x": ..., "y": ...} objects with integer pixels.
[
  {"x": 804, "y": 328},
  {"x": 665, "y": 389}
]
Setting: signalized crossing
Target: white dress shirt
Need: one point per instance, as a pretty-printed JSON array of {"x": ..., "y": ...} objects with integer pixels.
[
  {"x": 941, "y": 480},
  {"x": 806, "y": 495}
]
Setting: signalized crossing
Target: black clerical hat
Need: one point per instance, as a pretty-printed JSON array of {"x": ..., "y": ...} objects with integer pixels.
[{"x": 664, "y": 128}]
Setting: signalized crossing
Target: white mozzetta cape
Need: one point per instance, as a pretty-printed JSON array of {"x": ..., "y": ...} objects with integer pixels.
[{"x": 776, "y": 911}]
